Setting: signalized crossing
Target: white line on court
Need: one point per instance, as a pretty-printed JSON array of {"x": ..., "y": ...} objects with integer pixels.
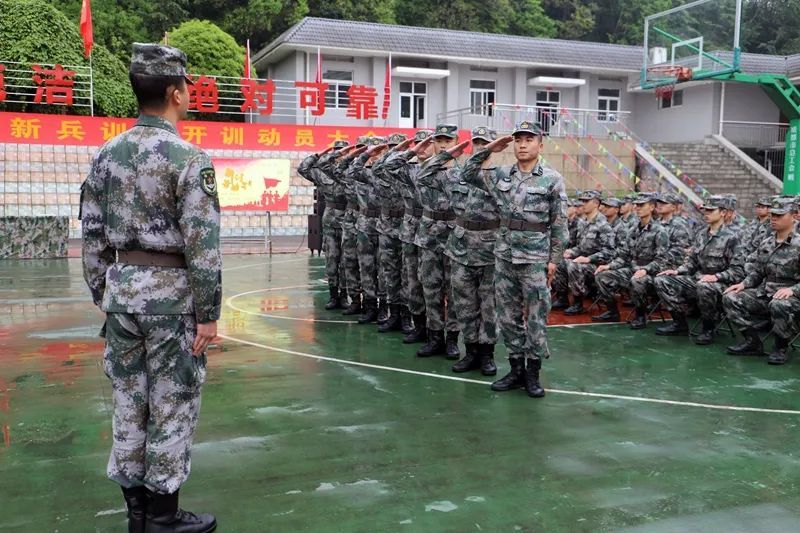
[{"x": 484, "y": 383}]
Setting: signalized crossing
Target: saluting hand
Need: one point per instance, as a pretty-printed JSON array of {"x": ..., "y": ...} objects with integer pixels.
[
  {"x": 403, "y": 146},
  {"x": 500, "y": 144},
  {"x": 377, "y": 150},
  {"x": 205, "y": 334},
  {"x": 422, "y": 145},
  {"x": 458, "y": 149}
]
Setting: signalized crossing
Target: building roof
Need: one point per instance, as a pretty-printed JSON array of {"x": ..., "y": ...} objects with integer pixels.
[{"x": 312, "y": 32}]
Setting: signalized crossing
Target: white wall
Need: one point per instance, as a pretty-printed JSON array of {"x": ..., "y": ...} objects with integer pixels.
[
  {"x": 697, "y": 118},
  {"x": 749, "y": 103}
]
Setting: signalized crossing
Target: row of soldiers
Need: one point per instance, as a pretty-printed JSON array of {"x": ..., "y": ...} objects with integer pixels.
[
  {"x": 418, "y": 242},
  {"x": 748, "y": 274}
]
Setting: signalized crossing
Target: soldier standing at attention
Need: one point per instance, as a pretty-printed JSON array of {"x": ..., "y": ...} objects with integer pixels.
[
  {"x": 771, "y": 288},
  {"x": 530, "y": 242},
  {"x": 470, "y": 248},
  {"x": 352, "y": 274},
  {"x": 709, "y": 268},
  {"x": 318, "y": 169},
  {"x": 151, "y": 258}
]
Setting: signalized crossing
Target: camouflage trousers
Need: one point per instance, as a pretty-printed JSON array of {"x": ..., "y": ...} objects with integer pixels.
[
  {"x": 677, "y": 291},
  {"x": 473, "y": 296},
  {"x": 612, "y": 282},
  {"x": 573, "y": 277},
  {"x": 415, "y": 296},
  {"x": 333, "y": 255},
  {"x": 434, "y": 274},
  {"x": 368, "y": 264},
  {"x": 750, "y": 306},
  {"x": 352, "y": 275},
  {"x": 156, "y": 384},
  {"x": 523, "y": 303},
  {"x": 392, "y": 263}
]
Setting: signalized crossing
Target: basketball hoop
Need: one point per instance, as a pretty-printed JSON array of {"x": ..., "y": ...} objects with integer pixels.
[{"x": 670, "y": 74}]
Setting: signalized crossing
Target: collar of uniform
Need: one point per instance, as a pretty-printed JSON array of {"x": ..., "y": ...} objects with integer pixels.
[
  {"x": 537, "y": 170},
  {"x": 156, "y": 122}
]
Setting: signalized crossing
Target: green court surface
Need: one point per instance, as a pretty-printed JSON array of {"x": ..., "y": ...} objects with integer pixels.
[{"x": 367, "y": 437}]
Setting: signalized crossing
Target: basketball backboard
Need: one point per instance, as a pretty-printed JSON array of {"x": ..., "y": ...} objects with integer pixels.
[{"x": 702, "y": 37}]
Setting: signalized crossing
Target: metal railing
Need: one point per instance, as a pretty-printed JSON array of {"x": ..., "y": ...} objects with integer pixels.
[
  {"x": 759, "y": 135},
  {"x": 555, "y": 121}
]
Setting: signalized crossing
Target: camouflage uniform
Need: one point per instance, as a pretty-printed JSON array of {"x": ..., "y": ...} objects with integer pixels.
[
  {"x": 318, "y": 170},
  {"x": 645, "y": 248},
  {"x": 434, "y": 229},
  {"x": 150, "y": 191},
  {"x": 575, "y": 227},
  {"x": 711, "y": 254},
  {"x": 595, "y": 241},
  {"x": 352, "y": 274},
  {"x": 533, "y": 233}
]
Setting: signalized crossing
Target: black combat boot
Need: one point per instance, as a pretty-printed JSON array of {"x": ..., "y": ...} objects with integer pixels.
[
  {"x": 355, "y": 306},
  {"x": 420, "y": 332},
  {"x": 611, "y": 315},
  {"x": 136, "y": 502},
  {"x": 383, "y": 312},
  {"x": 405, "y": 317},
  {"x": 706, "y": 336},
  {"x": 395, "y": 320},
  {"x": 471, "y": 361},
  {"x": 451, "y": 349},
  {"x": 370, "y": 313},
  {"x": 532, "y": 386},
  {"x": 780, "y": 354},
  {"x": 561, "y": 301},
  {"x": 514, "y": 379},
  {"x": 750, "y": 346},
  {"x": 434, "y": 346},
  {"x": 486, "y": 351},
  {"x": 577, "y": 307},
  {"x": 640, "y": 322},
  {"x": 164, "y": 515},
  {"x": 678, "y": 326},
  {"x": 335, "y": 302}
]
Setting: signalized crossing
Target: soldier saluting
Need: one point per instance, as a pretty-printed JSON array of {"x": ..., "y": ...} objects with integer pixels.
[
  {"x": 530, "y": 242},
  {"x": 151, "y": 258}
]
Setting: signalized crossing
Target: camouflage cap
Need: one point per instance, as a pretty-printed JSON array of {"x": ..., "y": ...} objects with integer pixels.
[
  {"x": 669, "y": 198},
  {"x": 396, "y": 138},
  {"x": 421, "y": 135},
  {"x": 362, "y": 141},
  {"x": 375, "y": 141},
  {"x": 158, "y": 60},
  {"x": 715, "y": 202},
  {"x": 484, "y": 133},
  {"x": 612, "y": 202},
  {"x": 783, "y": 205},
  {"x": 574, "y": 202},
  {"x": 590, "y": 195},
  {"x": 628, "y": 198},
  {"x": 731, "y": 199},
  {"x": 645, "y": 197},
  {"x": 764, "y": 201},
  {"x": 338, "y": 145},
  {"x": 527, "y": 127},
  {"x": 446, "y": 130}
]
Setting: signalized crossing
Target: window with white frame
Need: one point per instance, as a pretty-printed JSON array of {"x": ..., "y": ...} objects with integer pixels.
[
  {"x": 673, "y": 100},
  {"x": 339, "y": 81},
  {"x": 547, "y": 104},
  {"x": 481, "y": 97},
  {"x": 607, "y": 105}
]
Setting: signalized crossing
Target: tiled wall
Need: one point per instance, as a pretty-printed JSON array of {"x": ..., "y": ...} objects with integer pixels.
[{"x": 39, "y": 180}]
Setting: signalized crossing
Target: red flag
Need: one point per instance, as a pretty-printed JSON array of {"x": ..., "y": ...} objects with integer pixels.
[
  {"x": 319, "y": 66},
  {"x": 86, "y": 27},
  {"x": 247, "y": 60},
  {"x": 387, "y": 89}
]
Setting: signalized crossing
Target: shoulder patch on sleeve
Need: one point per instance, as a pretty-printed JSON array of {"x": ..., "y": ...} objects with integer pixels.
[{"x": 208, "y": 181}]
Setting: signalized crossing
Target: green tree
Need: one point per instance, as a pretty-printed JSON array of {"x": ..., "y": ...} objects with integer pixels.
[
  {"x": 374, "y": 11},
  {"x": 210, "y": 50},
  {"x": 33, "y": 31},
  {"x": 531, "y": 20},
  {"x": 502, "y": 16}
]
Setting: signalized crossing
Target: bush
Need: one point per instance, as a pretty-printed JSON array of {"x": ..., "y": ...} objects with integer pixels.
[{"x": 210, "y": 50}]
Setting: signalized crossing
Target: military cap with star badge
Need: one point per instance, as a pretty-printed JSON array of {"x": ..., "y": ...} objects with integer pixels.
[
  {"x": 396, "y": 138},
  {"x": 158, "y": 60},
  {"x": 338, "y": 145},
  {"x": 484, "y": 133},
  {"x": 644, "y": 198},
  {"x": 421, "y": 135},
  {"x": 628, "y": 198},
  {"x": 783, "y": 205},
  {"x": 715, "y": 202},
  {"x": 527, "y": 127},
  {"x": 375, "y": 141},
  {"x": 446, "y": 130},
  {"x": 612, "y": 202},
  {"x": 764, "y": 201},
  {"x": 669, "y": 198},
  {"x": 590, "y": 195},
  {"x": 361, "y": 141}
]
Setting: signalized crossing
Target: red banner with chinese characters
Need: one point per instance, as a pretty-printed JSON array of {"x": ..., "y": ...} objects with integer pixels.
[
  {"x": 31, "y": 128},
  {"x": 253, "y": 184}
]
